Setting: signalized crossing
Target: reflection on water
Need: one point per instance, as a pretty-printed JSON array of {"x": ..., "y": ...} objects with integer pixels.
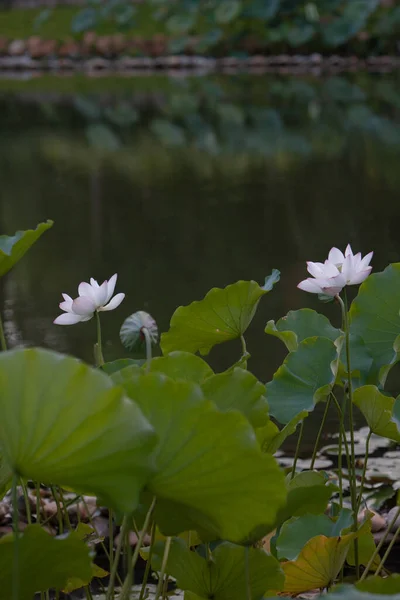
[{"x": 194, "y": 185}]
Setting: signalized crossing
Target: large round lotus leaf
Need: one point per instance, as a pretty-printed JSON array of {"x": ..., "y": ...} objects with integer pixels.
[
  {"x": 238, "y": 390},
  {"x": 13, "y": 247},
  {"x": 305, "y": 378},
  {"x": 224, "y": 577},
  {"x": 375, "y": 317},
  {"x": 299, "y": 325},
  {"x": 182, "y": 365},
  {"x": 211, "y": 475},
  {"x": 43, "y": 562},
  {"x": 222, "y": 315},
  {"x": 65, "y": 423},
  {"x": 378, "y": 411}
]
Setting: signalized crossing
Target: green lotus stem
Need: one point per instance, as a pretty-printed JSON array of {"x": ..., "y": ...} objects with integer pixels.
[
  {"x": 27, "y": 503},
  {"x": 353, "y": 481},
  {"x": 389, "y": 548},
  {"x": 88, "y": 593},
  {"x": 314, "y": 455},
  {"x": 342, "y": 436},
  {"x": 379, "y": 546},
  {"x": 15, "y": 571},
  {"x": 126, "y": 587},
  {"x": 2, "y": 336},
  {"x": 364, "y": 470},
  {"x": 98, "y": 347},
  {"x": 66, "y": 514},
  {"x": 111, "y": 544},
  {"x": 114, "y": 567},
  {"x": 296, "y": 456},
  {"x": 102, "y": 544},
  {"x": 163, "y": 567},
  {"x": 244, "y": 351},
  {"x": 148, "y": 563},
  {"x": 147, "y": 337},
  {"x": 247, "y": 567},
  {"x": 38, "y": 507},
  {"x": 59, "y": 510}
]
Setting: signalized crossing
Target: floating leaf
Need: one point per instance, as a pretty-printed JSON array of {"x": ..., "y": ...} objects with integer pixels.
[
  {"x": 13, "y": 248},
  {"x": 209, "y": 465},
  {"x": 84, "y": 19},
  {"x": 222, "y": 315},
  {"x": 180, "y": 23},
  {"x": 305, "y": 378},
  {"x": 224, "y": 576},
  {"x": 227, "y": 10},
  {"x": 182, "y": 365},
  {"x": 301, "y": 324},
  {"x": 43, "y": 562},
  {"x": 65, "y": 423},
  {"x": 238, "y": 390},
  {"x": 374, "y": 316},
  {"x": 378, "y": 411},
  {"x": 167, "y": 132},
  {"x": 102, "y": 137},
  {"x": 349, "y": 592}
]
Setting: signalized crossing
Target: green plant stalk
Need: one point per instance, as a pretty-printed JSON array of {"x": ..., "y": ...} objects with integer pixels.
[
  {"x": 111, "y": 544},
  {"x": 99, "y": 347},
  {"x": 340, "y": 460},
  {"x": 88, "y": 593},
  {"x": 364, "y": 470},
  {"x": 248, "y": 582},
  {"x": 147, "y": 337},
  {"x": 353, "y": 481},
  {"x": 244, "y": 352},
  {"x": 388, "y": 550},
  {"x": 342, "y": 436},
  {"x": 114, "y": 567},
  {"x": 296, "y": 456},
  {"x": 102, "y": 544},
  {"x": 2, "y": 336},
  {"x": 163, "y": 568},
  {"x": 38, "y": 507},
  {"x": 126, "y": 587},
  {"x": 314, "y": 454},
  {"x": 15, "y": 571},
  {"x": 148, "y": 563},
  {"x": 59, "y": 511},
  {"x": 66, "y": 514},
  {"x": 27, "y": 503},
  {"x": 379, "y": 546}
]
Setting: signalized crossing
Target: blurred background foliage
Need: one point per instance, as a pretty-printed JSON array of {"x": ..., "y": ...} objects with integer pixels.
[{"x": 239, "y": 27}]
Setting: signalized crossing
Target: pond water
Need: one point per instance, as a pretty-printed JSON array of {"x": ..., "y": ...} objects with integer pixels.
[{"x": 183, "y": 185}]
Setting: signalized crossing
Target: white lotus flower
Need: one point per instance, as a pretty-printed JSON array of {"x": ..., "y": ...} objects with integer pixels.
[
  {"x": 92, "y": 297},
  {"x": 336, "y": 272}
]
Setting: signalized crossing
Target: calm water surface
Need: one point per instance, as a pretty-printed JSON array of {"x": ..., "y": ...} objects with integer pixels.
[{"x": 258, "y": 173}]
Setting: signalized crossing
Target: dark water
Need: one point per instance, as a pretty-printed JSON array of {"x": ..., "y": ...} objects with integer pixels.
[{"x": 252, "y": 174}]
